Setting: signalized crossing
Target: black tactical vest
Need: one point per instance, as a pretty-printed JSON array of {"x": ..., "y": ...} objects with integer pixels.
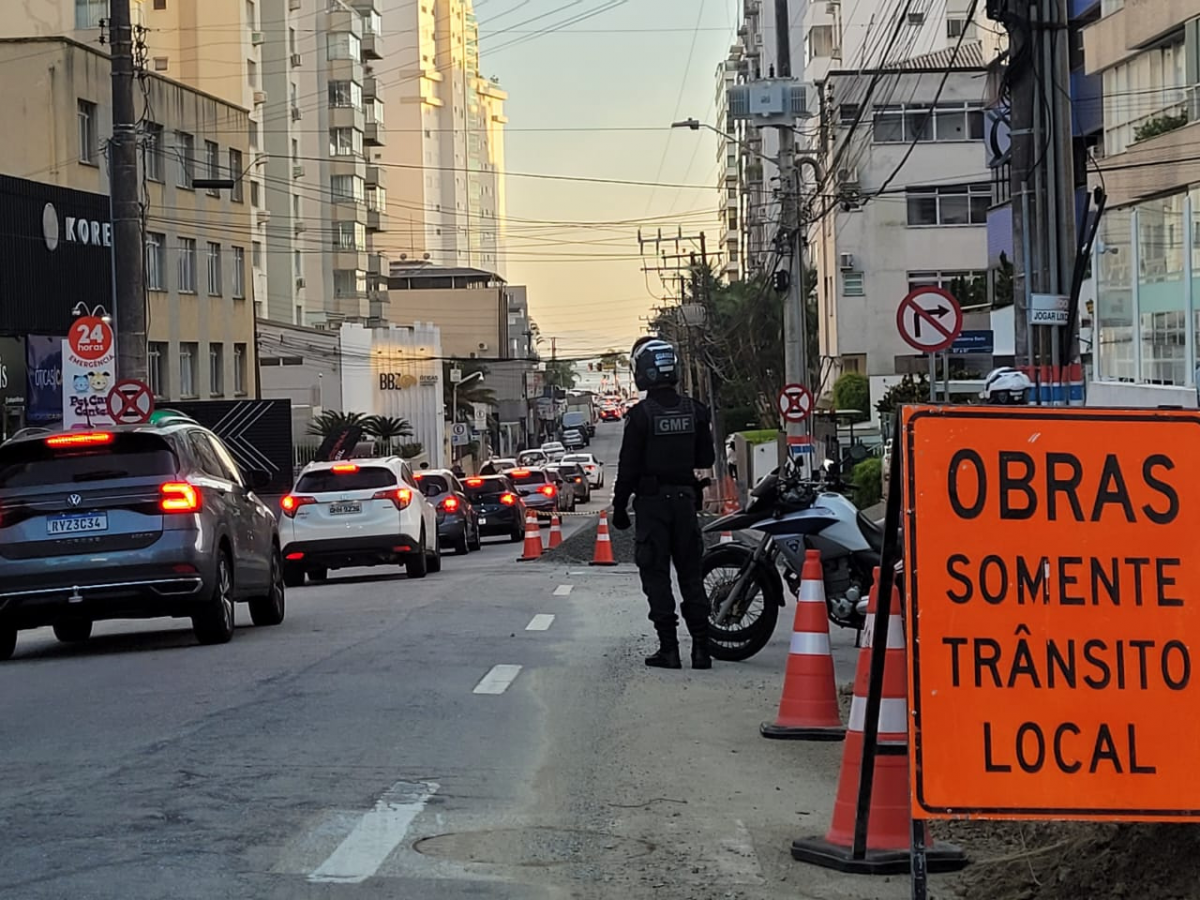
[{"x": 671, "y": 443}]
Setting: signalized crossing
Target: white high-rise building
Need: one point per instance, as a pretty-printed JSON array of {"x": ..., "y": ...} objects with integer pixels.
[{"x": 446, "y": 167}]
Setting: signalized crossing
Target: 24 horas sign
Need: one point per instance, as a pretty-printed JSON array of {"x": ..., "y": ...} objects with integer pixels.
[{"x": 1054, "y": 612}]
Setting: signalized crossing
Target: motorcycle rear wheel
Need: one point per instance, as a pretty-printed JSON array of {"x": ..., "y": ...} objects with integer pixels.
[{"x": 741, "y": 639}]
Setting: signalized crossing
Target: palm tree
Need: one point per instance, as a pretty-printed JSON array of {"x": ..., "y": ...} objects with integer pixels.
[
  {"x": 387, "y": 429},
  {"x": 476, "y": 391},
  {"x": 332, "y": 421}
]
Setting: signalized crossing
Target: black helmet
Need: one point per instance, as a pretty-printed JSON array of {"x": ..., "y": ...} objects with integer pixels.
[{"x": 654, "y": 363}]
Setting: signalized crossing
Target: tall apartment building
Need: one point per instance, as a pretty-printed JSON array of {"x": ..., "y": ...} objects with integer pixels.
[
  {"x": 446, "y": 200},
  {"x": 1147, "y": 260}
]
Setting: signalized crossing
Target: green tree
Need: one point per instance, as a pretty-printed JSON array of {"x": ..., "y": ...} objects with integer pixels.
[
  {"x": 332, "y": 420},
  {"x": 867, "y": 479},
  {"x": 411, "y": 449},
  {"x": 852, "y": 390},
  {"x": 386, "y": 429},
  {"x": 1002, "y": 284},
  {"x": 614, "y": 360},
  {"x": 561, "y": 374}
]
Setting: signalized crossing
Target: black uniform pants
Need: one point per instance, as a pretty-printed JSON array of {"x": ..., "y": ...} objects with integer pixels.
[{"x": 668, "y": 531}]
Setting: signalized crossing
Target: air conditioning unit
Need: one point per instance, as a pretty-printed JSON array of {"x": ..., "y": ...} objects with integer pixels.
[
  {"x": 848, "y": 177},
  {"x": 300, "y": 228},
  {"x": 484, "y": 347},
  {"x": 260, "y": 97},
  {"x": 294, "y": 5},
  {"x": 264, "y": 215},
  {"x": 296, "y": 59},
  {"x": 297, "y": 114},
  {"x": 916, "y": 18},
  {"x": 846, "y": 261},
  {"x": 256, "y": 38},
  {"x": 300, "y": 283},
  {"x": 297, "y": 171}
]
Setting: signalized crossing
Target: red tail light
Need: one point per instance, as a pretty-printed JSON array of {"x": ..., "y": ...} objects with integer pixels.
[
  {"x": 548, "y": 489},
  {"x": 400, "y": 497},
  {"x": 295, "y": 556},
  {"x": 291, "y": 503},
  {"x": 508, "y": 499},
  {"x": 178, "y": 497},
  {"x": 450, "y": 504},
  {"x": 345, "y": 469},
  {"x": 474, "y": 482},
  {"x": 80, "y": 439},
  {"x": 518, "y": 473}
]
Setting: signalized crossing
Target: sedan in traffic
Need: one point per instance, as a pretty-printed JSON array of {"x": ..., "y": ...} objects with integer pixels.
[
  {"x": 458, "y": 521},
  {"x": 499, "y": 505},
  {"x": 538, "y": 488}
]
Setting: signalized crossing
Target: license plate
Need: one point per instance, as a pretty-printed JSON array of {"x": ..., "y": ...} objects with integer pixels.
[
  {"x": 77, "y": 523},
  {"x": 344, "y": 509},
  {"x": 483, "y": 520}
]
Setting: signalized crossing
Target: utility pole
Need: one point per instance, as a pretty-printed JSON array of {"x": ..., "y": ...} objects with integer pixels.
[
  {"x": 130, "y": 312},
  {"x": 1043, "y": 178}
]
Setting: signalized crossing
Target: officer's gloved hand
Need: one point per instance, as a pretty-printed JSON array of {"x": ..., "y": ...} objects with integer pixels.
[{"x": 620, "y": 519}]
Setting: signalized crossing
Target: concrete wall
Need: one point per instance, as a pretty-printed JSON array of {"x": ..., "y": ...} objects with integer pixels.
[
  {"x": 302, "y": 365},
  {"x": 467, "y": 318}
]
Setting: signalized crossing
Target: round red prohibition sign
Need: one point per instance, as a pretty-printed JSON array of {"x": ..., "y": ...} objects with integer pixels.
[
  {"x": 130, "y": 403},
  {"x": 929, "y": 319},
  {"x": 795, "y": 403}
]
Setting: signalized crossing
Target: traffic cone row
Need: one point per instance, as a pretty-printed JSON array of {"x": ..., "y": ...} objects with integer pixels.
[
  {"x": 889, "y": 825},
  {"x": 604, "y": 552},
  {"x": 533, "y": 539}
]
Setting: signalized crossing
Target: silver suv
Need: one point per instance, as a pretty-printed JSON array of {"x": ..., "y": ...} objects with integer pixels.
[{"x": 132, "y": 522}]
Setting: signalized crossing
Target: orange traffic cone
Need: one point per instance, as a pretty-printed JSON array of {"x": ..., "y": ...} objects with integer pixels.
[
  {"x": 808, "y": 709},
  {"x": 555, "y": 531},
  {"x": 533, "y": 539},
  {"x": 604, "y": 553},
  {"x": 889, "y": 826}
]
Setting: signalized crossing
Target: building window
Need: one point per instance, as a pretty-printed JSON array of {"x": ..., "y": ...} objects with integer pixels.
[
  {"x": 298, "y": 263},
  {"x": 216, "y": 370},
  {"x": 959, "y": 204},
  {"x": 848, "y": 113},
  {"x": 239, "y": 273},
  {"x": 87, "y": 132},
  {"x": 292, "y": 41},
  {"x": 296, "y": 206},
  {"x": 88, "y": 13},
  {"x": 152, "y": 151},
  {"x": 344, "y": 45},
  {"x": 187, "y": 265},
  {"x": 156, "y": 354},
  {"x": 251, "y": 15},
  {"x": 852, "y": 284},
  {"x": 349, "y": 283},
  {"x": 256, "y": 254},
  {"x": 375, "y": 112},
  {"x": 252, "y": 74},
  {"x": 185, "y": 150},
  {"x": 253, "y": 133},
  {"x": 212, "y": 165},
  {"x": 377, "y": 200},
  {"x": 156, "y": 261},
  {"x": 345, "y": 142},
  {"x": 345, "y": 94},
  {"x": 255, "y": 195},
  {"x": 351, "y": 236},
  {"x": 188, "y": 360},
  {"x": 236, "y": 171},
  {"x": 921, "y": 123},
  {"x": 955, "y": 26},
  {"x": 214, "y": 269},
  {"x": 1146, "y": 96},
  {"x": 239, "y": 370},
  {"x": 968, "y": 286},
  {"x": 347, "y": 188}
]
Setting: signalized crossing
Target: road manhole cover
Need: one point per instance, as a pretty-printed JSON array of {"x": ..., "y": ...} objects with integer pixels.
[{"x": 532, "y": 847}]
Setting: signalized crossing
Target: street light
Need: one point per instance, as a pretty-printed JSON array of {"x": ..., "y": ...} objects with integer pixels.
[{"x": 696, "y": 125}]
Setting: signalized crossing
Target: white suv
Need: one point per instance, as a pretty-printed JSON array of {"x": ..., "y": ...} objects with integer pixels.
[
  {"x": 360, "y": 512},
  {"x": 591, "y": 465}
]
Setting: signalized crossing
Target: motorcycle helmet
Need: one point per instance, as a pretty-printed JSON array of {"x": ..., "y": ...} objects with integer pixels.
[
  {"x": 654, "y": 363},
  {"x": 1007, "y": 387}
]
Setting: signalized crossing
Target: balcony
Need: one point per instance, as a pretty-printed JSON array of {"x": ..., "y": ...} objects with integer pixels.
[
  {"x": 348, "y": 165},
  {"x": 375, "y": 135},
  {"x": 348, "y": 211},
  {"x": 377, "y": 265},
  {"x": 345, "y": 70},
  {"x": 370, "y": 87},
  {"x": 372, "y": 46},
  {"x": 376, "y": 177},
  {"x": 347, "y": 117},
  {"x": 349, "y": 259},
  {"x": 1122, "y": 33},
  {"x": 377, "y": 220}
]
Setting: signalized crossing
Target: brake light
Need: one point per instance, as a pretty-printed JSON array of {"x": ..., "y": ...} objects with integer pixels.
[
  {"x": 295, "y": 556},
  {"x": 345, "y": 468},
  {"x": 548, "y": 489},
  {"x": 474, "y": 482},
  {"x": 291, "y": 503},
  {"x": 508, "y": 499},
  {"x": 518, "y": 473},
  {"x": 450, "y": 504},
  {"x": 178, "y": 497},
  {"x": 400, "y": 497},
  {"x": 80, "y": 439}
]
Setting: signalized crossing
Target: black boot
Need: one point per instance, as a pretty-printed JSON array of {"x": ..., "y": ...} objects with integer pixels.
[
  {"x": 701, "y": 658},
  {"x": 665, "y": 658}
]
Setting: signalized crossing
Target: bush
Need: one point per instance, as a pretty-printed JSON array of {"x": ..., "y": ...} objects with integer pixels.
[
  {"x": 852, "y": 390},
  {"x": 867, "y": 479},
  {"x": 408, "y": 451},
  {"x": 763, "y": 436}
]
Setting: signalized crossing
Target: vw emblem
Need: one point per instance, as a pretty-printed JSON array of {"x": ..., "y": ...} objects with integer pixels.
[{"x": 74, "y": 500}]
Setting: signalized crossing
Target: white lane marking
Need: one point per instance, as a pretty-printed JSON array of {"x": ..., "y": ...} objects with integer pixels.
[
  {"x": 376, "y": 835},
  {"x": 564, "y": 590},
  {"x": 736, "y": 858},
  {"x": 497, "y": 680},
  {"x": 540, "y": 622}
]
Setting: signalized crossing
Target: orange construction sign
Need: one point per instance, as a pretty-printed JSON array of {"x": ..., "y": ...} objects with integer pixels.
[{"x": 1053, "y": 603}]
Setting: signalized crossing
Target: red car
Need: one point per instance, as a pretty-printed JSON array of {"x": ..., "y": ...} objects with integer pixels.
[{"x": 610, "y": 415}]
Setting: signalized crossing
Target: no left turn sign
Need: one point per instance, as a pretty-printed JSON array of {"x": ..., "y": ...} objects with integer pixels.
[
  {"x": 795, "y": 403},
  {"x": 130, "y": 403},
  {"x": 929, "y": 319}
]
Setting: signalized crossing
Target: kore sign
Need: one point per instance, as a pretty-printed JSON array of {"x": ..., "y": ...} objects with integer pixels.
[{"x": 1054, "y": 610}]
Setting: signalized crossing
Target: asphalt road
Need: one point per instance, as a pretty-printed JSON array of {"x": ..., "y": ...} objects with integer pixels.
[{"x": 489, "y": 732}]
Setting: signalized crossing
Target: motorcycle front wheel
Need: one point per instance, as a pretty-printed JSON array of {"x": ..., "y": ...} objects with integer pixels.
[{"x": 751, "y": 622}]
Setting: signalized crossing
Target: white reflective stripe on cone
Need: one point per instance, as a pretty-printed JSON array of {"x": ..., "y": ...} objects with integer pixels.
[
  {"x": 811, "y": 591},
  {"x": 806, "y": 643},
  {"x": 603, "y": 538},
  {"x": 895, "y": 638},
  {"x": 893, "y": 715}
]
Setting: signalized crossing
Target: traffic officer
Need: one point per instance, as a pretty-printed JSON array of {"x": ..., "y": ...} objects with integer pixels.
[{"x": 667, "y": 437}]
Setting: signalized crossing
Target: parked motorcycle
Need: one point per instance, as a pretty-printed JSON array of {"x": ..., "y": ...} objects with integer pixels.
[{"x": 790, "y": 515}]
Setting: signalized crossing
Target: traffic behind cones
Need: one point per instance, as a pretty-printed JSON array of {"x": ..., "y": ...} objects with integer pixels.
[
  {"x": 808, "y": 709},
  {"x": 889, "y": 824},
  {"x": 533, "y": 539},
  {"x": 555, "y": 531},
  {"x": 604, "y": 553}
]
